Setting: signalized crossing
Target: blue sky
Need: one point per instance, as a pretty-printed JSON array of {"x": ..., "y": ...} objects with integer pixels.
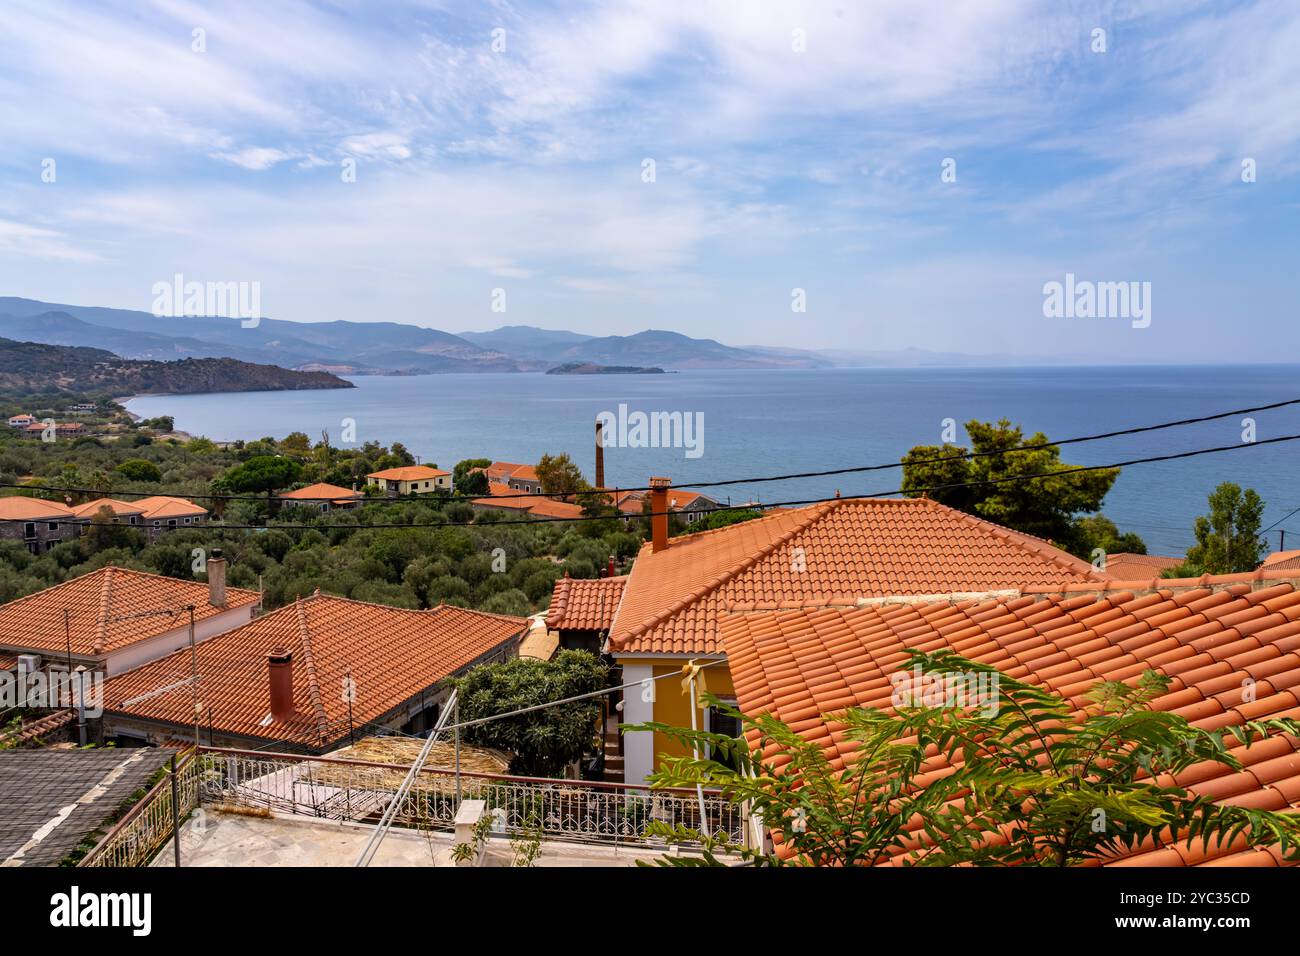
[{"x": 776, "y": 168}]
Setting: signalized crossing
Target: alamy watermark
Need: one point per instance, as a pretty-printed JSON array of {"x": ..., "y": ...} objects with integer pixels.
[
  {"x": 639, "y": 429},
  {"x": 1084, "y": 299},
  {"x": 963, "y": 690},
  {"x": 234, "y": 300},
  {"x": 55, "y": 689}
]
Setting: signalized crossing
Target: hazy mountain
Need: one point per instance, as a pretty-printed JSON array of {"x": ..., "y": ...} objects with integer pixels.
[
  {"x": 34, "y": 368},
  {"x": 371, "y": 347},
  {"x": 526, "y": 341}
]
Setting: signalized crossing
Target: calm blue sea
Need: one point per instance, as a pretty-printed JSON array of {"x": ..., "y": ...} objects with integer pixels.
[{"x": 769, "y": 422}]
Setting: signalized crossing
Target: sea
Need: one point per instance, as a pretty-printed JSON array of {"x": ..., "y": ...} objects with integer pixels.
[{"x": 756, "y": 423}]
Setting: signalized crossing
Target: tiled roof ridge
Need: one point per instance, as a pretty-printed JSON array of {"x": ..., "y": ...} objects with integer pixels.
[
  {"x": 846, "y": 602},
  {"x": 1172, "y": 585},
  {"x": 1034, "y": 545},
  {"x": 105, "y": 604},
  {"x": 454, "y": 609},
  {"x": 309, "y": 660},
  {"x": 815, "y": 514},
  {"x": 560, "y": 599}
]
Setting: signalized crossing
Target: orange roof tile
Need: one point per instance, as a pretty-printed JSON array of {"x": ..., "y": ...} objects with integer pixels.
[
  {"x": 585, "y": 604},
  {"x": 1210, "y": 635},
  {"x": 166, "y": 506},
  {"x": 1128, "y": 567},
  {"x": 502, "y": 496},
  {"x": 322, "y": 491},
  {"x": 503, "y": 470},
  {"x": 409, "y": 473},
  {"x": 20, "y": 508},
  {"x": 92, "y": 508},
  {"x": 1282, "y": 560},
  {"x": 95, "y": 600},
  {"x": 392, "y": 654},
  {"x": 865, "y": 546}
]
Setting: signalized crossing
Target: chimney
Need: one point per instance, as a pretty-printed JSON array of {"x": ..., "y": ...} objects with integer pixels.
[
  {"x": 659, "y": 510},
  {"x": 609, "y": 572},
  {"x": 217, "y": 579},
  {"x": 279, "y": 666},
  {"x": 600, "y": 456}
]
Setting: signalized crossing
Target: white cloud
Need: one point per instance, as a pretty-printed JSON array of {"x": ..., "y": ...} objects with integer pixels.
[{"x": 255, "y": 157}]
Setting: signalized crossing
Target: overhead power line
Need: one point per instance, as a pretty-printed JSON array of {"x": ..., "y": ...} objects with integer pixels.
[
  {"x": 856, "y": 469},
  {"x": 1005, "y": 479}
]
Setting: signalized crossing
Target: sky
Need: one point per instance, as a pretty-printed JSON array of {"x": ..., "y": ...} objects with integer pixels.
[{"x": 920, "y": 171}]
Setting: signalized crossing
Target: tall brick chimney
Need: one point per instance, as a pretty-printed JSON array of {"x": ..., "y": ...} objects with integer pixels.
[
  {"x": 279, "y": 666},
  {"x": 217, "y": 579},
  {"x": 600, "y": 456},
  {"x": 659, "y": 511}
]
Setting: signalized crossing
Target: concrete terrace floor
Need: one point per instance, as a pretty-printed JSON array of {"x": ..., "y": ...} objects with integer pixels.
[{"x": 231, "y": 839}]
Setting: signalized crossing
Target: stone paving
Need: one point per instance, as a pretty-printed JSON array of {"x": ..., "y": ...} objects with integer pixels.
[{"x": 216, "y": 838}]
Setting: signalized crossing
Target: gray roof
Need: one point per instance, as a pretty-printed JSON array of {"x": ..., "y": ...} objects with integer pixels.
[{"x": 51, "y": 799}]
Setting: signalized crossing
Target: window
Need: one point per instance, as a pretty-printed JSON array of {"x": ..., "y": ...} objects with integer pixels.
[
  {"x": 29, "y": 529},
  {"x": 171, "y": 522},
  {"x": 719, "y": 722},
  {"x": 324, "y": 506},
  {"x": 54, "y": 526}
]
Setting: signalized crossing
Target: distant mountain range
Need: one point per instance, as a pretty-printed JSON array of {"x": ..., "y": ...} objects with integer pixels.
[
  {"x": 391, "y": 348},
  {"x": 31, "y": 368}
]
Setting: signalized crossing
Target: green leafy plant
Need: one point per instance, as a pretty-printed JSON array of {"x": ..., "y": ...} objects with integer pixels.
[{"x": 1032, "y": 782}]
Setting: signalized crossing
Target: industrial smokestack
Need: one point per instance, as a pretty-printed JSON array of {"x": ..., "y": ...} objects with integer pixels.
[
  {"x": 279, "y": 666},
  {"x": 217, "y": 579},
  {"x": 600, "y": 456},
  {"x": 659, "y": 514}
]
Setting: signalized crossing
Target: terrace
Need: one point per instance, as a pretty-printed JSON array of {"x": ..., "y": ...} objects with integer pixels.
[{"x": 236, "y": 807}]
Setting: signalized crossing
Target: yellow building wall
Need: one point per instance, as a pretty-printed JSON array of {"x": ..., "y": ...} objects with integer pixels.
[{"x": 672, "y": 705}]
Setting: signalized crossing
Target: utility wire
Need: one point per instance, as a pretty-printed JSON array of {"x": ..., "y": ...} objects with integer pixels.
[
  {"x": 1075, "y": 470},
  {"x": 858, "y": 469}
]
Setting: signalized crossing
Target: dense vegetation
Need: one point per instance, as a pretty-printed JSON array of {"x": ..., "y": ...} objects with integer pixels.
[
  {"x": 29, "y": 368},
  {"x": 405, "y": 552}
]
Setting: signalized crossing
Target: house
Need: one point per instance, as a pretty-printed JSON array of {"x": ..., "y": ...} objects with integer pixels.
[
  {"x": 323, "y": 496},
  {"x": 1230, "y": 645},
  {"x": 123, "y": 512},
  {"x": 1133, "y": 567},
  {"x": 51, "y": 801},
  {"x": 37, "y": 523},
  {"x": 1279, "y": 560},
  {"x": 582, "y": 610},
  {"x": 21, "y": 421},
  {"x": 162, "y": 513},
  {"x": 36, "y": 429},
  {"x": 310, "y": 675},
  {"x": 116, "y": 619},
  {"x": 689, "y": 506},
  {"x": 678, "y": 589},
  {"x": 514, "y": 476},
  {"x": 503, "y": 498},
  {"x": 410, "y": 480}
]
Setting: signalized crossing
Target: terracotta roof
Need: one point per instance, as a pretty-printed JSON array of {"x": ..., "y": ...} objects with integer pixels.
[
  {"x": 20, "y": 508},
  {"x": 585, "y": 604},
  {"x": 392, "y": 654},
  {"x": 1129, "y": 567},
  {"x": 510, "y": 469},
  {"x": 91, "y": 508},
  {"x": 408, "y": 473},
  {"x": 1209, "y": 635},
  {"x": 537, "y": 505},
  {"x": 165, "y": 506},
  {"x": 846, "y": 547},
  {"x": 322, "y": 491},
  {"x": 36, "y": 621},
  {"x": 1278, "y": 560}
]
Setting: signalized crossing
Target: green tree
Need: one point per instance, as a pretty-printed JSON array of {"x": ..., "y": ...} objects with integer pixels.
[
  {"x": 1227, "y": 539},
  {"x": 469, "y": 478},
  {"x": 1063, "y": 789},
  {"x": 558, "y": 475},
  {"x": 1099, "y": 533},
  {"x": 262, "y": 473},
  {"x": 137, "y": 469},
  {"x": 1047, "y": 507},
  {"x": 543, "y": 741}
]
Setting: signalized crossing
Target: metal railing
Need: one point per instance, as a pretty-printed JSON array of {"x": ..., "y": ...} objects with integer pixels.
[
  {"x": 574, "y": 810},
  {"x": 136, "y": 839}
]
